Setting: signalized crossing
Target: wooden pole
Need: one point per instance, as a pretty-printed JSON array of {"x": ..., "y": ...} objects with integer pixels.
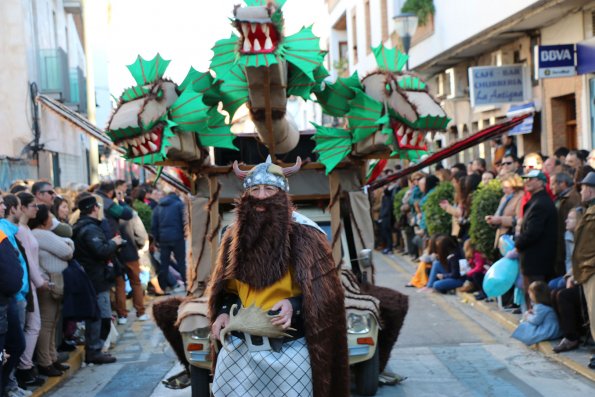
[
  {"x": 268, "y": 114},
  {"x": 335, "y": 210}
]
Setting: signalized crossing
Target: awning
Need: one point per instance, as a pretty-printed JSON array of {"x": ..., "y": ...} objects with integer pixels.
[
  {"x": 526, "y": 127},
  {"x": 453, "y": 149},
  {"x": 87, "y": 127}
]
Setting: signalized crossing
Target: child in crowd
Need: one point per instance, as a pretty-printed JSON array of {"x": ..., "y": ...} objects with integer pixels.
[
  {"x": 420, "y": 278},
  {"x": 559, "y": 283},
  {"x": 540, "y": 323},
  {"x": 477, "y": 266}
]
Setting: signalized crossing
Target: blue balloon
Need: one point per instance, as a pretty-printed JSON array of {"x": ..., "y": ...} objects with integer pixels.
[
  {"x": 500, "y": 277},
  {"x": 505, "y": 244}
]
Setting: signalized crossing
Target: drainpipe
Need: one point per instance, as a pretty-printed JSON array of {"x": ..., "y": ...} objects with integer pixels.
[{"x": 87, "y": 45}]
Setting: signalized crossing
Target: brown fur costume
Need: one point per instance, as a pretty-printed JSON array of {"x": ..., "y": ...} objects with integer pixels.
[
  {"x": 165, "y": 314},
  {"x": 323, "y": 302},
  {"x": 393, "y": 309}
]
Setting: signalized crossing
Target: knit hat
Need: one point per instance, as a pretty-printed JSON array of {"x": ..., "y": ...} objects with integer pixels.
[{"x": 87, "y": 203}]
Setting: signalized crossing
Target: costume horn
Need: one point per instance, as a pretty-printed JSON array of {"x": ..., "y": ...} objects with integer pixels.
[
  {"x": 239, "y": 173},
  {"x": 293, "y": 169}
]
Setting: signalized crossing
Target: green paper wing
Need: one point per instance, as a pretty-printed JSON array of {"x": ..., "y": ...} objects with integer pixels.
[
  {"x": 200, "y": 82},
  {"x": 233, "y": 90},
  {"x": 412, "y": 83},
  {"x": 389, "y": 58},
  {"x": 302, "y": 51},
  {"x": 301, "y": 85},
  {"x": 225, "y": 55},
  {"x": 334, "y": 98},
  {"x": 189, "y": 112},
  {"x": 332, "y": 145},
  {"x": 133, "y": 93},
  {"x": 218, "y": 133},
  {"x": 145, "y": 72},
  {"x": 365, "y": 116}
]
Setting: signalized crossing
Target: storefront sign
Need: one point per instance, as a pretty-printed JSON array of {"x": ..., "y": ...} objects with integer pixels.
[
  {"x": 498, "y": 85},
  {"x": 585, "y": 57},
  {"x": 555, "y": 61}
]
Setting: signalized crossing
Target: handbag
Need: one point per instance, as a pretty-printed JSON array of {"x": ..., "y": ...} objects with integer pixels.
[{"x": 56, "y": 285}]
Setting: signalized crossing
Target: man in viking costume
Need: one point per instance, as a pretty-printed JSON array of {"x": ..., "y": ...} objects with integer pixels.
[{"x": 275, "y": 298}]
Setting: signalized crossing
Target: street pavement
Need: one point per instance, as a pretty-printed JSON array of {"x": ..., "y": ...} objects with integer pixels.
[{"x": 446, "y": 348}]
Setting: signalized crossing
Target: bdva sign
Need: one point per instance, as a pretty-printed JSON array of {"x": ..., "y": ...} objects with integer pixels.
[{"x": 555, "y": 61}]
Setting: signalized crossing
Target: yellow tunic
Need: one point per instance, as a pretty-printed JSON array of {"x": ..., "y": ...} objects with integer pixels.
[{"x": 265, "y": 298}]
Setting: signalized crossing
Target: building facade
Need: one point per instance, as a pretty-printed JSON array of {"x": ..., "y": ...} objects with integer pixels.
[
  {"x": 43, "y": 53},
  {"x": 461, "y": 35}
]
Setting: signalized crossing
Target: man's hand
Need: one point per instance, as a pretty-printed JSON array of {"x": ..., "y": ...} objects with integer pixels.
[
  {"x": 283, "y": 319},
  {"x": 221, "y": 322},
  {"x": 570, "y": 282},
  {"x": 117, "y": 239}
]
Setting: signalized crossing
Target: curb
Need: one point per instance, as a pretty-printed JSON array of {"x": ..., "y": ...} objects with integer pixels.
[
  {"x": 510, "y": 322},
  {"x": 75, "y": 361}
]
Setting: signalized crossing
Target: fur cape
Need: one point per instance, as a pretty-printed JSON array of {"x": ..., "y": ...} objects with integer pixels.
[{"x": 323, "y": 307}]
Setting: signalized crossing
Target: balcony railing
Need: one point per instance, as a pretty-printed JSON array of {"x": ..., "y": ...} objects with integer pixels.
[
  {"x": 53, "y": 74},
  {"x": 78, "y": 89}
]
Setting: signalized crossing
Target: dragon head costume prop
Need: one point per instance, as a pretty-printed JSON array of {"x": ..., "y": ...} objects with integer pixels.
[
  {"x": 387, "y": 109},
  {"x": 158, "y": 119}
]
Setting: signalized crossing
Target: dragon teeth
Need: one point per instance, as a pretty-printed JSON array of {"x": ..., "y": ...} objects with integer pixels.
[
  {"x": 135, "y": 151},
  {"x": 256, "y": 45},
  {"x": 154, "y": 137},
  {"x": 247, "y": 46},
  {"x": 144, "y": 150},
  {"x": 245, "y": 28},
  {"x": 253, "y": 27},
  {"x": 152, "y": 146},
  {"x": 265, "y": 29},
  {"x": 268, "y": 44},
  {"x": 142, "y": 139}
]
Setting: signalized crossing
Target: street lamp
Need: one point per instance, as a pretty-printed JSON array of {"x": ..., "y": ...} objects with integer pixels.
[{"x": 405, "y": 25}]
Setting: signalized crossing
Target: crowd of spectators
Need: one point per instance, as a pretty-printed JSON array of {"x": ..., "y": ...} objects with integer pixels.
[
  {"x": 69, "y": 258},
  {"x": 545, "y": 203}
]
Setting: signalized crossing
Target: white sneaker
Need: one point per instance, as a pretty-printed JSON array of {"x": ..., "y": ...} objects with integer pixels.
[
  {"x": 122, "y": 320},
  {"x": 18, "y": 392},
  {"x": 144, "y": 317}
]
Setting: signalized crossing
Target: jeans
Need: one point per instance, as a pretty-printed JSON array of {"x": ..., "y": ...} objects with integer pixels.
[
  {"x": 14, "y": 343},
  {"x": 437, "y": 268},
  {"x": 557, "y": 283},
  {"x": 95, "y": 330},
  {"x": 179, "y": 250},
  {"x": 386, "y": 233},
  {"x": 444, "y": 284}
]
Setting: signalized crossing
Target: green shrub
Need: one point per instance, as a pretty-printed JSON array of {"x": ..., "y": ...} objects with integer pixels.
[
  {"x": 485, "y": 202},
  {"x": 438, "y": 220},
  {"x": 422, "y": 8},
  {"x": 398, "y": 202}
]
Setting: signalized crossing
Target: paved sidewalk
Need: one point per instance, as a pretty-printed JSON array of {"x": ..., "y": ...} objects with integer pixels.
[{"x": 576, "y": 360}]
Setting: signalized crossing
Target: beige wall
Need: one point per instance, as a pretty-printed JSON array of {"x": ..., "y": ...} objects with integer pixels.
[{"x": 14, "y": 90}]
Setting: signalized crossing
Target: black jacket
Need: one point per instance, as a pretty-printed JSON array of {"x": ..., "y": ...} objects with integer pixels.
[
  {"x": 11, "y": 279},
  {"x": 80, "y": 301},
  {"x": 536, "y": 242},
  {"x": 93, "y": 251}
]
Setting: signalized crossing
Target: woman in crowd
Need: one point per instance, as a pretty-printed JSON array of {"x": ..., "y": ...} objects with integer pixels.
[
  {"x": 445, "y": 274},
  {"x": 61, "y": 209},
  {"x": 456, "y": 209},
  {"x": 506, "y": 216},
  {"x": 54, "y": 254},
  {"x": 420, "y": 278},
  {"x": 559, "y": 283},
  {"x": 25, "y": 372}
]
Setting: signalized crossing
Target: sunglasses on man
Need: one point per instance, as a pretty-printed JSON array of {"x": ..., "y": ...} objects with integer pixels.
[{"x": 51, "y": 192}]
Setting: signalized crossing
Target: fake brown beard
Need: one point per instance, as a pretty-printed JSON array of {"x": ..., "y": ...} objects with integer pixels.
[{"x": 262, "y": 240}]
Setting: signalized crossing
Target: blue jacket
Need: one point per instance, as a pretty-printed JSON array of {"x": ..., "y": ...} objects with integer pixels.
[
  {"x": 167, "y": 224},
  {"x": 539, "y": 326},
  {"x": 10, "y": 269},
  {"x": 10, "y": 229}
]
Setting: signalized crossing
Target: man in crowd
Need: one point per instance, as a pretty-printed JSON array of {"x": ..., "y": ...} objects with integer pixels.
[
  {"x": 583, "y": 257},
  {"x": 283, "y": 267},
  {"x": 95, "y": 253},
  {"x": 567, "y": 198},
  {"x": 12, "y": 339},
  {"x": 478, "y": 166},
  {"x": 167, "y": 228},
  {"x": 591, "y": 159},
  {"x": 574, "y": 160},
  {"x": 44, "y": 194},
  {"x": 536, "y": 242},
  {"x": 509, "y": 165}
]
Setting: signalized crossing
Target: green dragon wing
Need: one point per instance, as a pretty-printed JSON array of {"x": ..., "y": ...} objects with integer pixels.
[
  {"x": 146, "y": 72},
  {"x": 332, "y": 145},
  {"x": 334, "y": 98}
]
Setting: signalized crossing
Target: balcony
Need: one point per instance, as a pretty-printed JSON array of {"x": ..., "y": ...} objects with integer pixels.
[
  {"x": 54, "y": 74},
  {"x": 78, "y": 90}
]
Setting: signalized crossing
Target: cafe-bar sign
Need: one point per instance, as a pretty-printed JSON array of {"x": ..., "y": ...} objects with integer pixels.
[
  {"x": 555, "y": 61},
  {"x": 499, "y": 85}
]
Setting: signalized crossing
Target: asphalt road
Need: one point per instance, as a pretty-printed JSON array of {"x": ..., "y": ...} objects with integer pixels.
[{"x": 446, "y": 348}]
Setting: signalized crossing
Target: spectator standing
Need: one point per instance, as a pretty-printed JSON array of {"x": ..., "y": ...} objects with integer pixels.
[
  {"x": 386, "y": 219},
  {"x": 509, "y": 146},
  {"x": 591, "y": 159},
  {"x": 510, "y": 165},
  {"x": 144, "y": 211},
  {"x": 566, "y": 198},
  {"x": 508, "y": 211},
  {"x": 61, "y": 209},
  {"x": 150, "y": 197},
  {"x": 536, "y": 242},
  {"x": 44, "y": 194},
  {"x": 94, "y": 251},
  {"x": 113, "y": 208},
  {"x": 11, "y": 335},
  {"x": 54, "y": 252},
  {"x": 25, "y": 372},
  {"x": 583, "y": 257},
  {"x": 167, "y": 228}
]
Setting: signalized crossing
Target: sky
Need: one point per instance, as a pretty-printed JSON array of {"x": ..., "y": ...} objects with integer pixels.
[{"x": 184, "y": 31}]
